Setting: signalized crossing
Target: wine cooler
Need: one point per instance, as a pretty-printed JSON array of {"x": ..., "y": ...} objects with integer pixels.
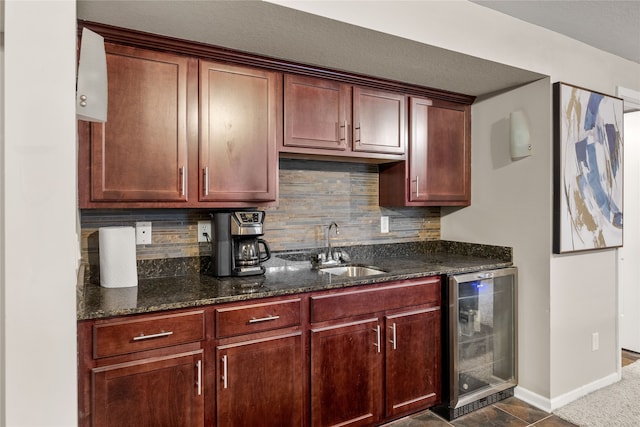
[{"x": 480, "y": 341}]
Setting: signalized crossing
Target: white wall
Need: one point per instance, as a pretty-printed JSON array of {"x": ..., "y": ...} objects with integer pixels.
[
  {"x": 2, "y": 246},
  {"x": 39, "y": 215},
  {"x": 568, "y": 296}
]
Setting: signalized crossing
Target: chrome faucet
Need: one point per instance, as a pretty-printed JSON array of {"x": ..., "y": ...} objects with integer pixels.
[{"x": 329, "y": 253}]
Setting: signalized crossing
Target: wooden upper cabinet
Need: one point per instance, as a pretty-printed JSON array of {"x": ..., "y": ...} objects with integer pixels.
[
  {"x": 140, "y": 153},
  {"x": 317, "y": 113},
  {"x": 438, "y": 170},
  {"x": 379, "y": 121},
  {"x": 330, "y": 118},
  {"x": 441, "y": 164},
  {"x": 239, "y": 127}
]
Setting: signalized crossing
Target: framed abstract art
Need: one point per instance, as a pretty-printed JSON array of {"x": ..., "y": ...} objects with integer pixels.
[{"x": 588, "y": 154}]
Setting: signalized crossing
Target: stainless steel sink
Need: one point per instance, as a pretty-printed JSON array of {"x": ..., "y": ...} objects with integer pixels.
[{"x": 352, "y": 271}]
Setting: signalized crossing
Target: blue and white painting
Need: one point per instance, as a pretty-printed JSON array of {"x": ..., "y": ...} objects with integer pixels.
[{"x": 591, "y": 148}]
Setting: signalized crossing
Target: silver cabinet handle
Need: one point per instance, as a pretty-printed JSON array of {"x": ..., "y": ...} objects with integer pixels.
[
  {"x": 377, "y": 343},
  {"x": 264, "y": 319},
  {"x": 199, "y": 366},
  {"x": 344, "y": 132},
  {"x": 393, "y": 336},
  {"x": 358, "y": 137},
  {"x": 206, "y": 181},
  {"x": 183, "y": 181},
  {"x": 417, "y": 185},
  {"x": 225, "y": 382},
  {"x": 148, "y": 337}
]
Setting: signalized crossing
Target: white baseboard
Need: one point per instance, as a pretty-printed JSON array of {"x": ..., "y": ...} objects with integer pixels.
[
  {"x": 550, "y": 405},
  {"x": 532, "y": 398}
]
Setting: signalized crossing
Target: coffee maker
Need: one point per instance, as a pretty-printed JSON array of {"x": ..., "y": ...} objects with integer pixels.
[{"x": 236, "y": 243}]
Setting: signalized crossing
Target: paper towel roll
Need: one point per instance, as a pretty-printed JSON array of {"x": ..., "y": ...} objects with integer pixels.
[
  {"x": 119, "y": 298},
  {"x": 117, "y": 247}
]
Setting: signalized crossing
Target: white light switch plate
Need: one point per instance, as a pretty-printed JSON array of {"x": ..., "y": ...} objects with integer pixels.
[
  {"x": 143, "y": 233},
  {"x": 384, "y": 224}
]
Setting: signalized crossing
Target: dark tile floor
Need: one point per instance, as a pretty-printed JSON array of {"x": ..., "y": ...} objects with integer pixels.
[{"x": 510, "y": 412}]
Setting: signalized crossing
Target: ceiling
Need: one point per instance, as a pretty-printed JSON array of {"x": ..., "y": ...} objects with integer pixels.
[
  {"x": 286, "y": 33},
  {"x": 612, "y": 25}
]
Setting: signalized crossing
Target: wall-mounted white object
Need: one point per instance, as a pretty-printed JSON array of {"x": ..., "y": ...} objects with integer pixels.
[
  {"x": 519, "y": 136},
  {"x": 143, "y": 233},
  {"x": 91, "y": 91}
]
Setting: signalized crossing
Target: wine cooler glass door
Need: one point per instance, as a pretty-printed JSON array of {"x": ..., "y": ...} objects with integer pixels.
[{"x": 484, "y": 341}]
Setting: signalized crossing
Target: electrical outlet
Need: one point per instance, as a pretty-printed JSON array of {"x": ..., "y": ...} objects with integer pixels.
[
  {"x": 384, "y": 224},
  {"x": 143, "y": 233},
  {"x": 204, "y": 230},
  {"x": 595, "y": 341}
]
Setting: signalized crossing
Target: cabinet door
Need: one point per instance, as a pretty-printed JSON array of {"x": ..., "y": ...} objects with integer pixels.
[
  {"x": 412, "y": 361},
  {"x": 260, "y": 382},
  {"x": 379, "y": 121},
  {"x": 140, "y": 153},
  {"x": 161, "y": 391},
  {"x": 238, "y": 132},
  {"x": 346, "y": 366},
  {"x": 316, "y": 113},
  {"x": 439, "y": 153}
]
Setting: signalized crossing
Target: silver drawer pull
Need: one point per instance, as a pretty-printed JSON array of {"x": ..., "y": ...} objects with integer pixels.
[
  {"x": 148, "y": 337},
  {"x": 225, "y": 381},
  {"x": 264, "y": 319},
  {"x": 199, "y": 367}
]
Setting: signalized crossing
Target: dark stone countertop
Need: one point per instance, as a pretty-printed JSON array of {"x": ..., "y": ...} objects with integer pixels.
[{"x": 286, "y": 274}]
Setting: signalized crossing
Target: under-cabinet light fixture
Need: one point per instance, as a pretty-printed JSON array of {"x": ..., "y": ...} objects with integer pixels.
[
  {"x": 519, "y": 136},
  {"x": 91, "y": 91}
]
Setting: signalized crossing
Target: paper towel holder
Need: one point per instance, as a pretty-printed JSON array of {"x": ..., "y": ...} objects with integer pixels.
[{"x": 91, "y": 90}]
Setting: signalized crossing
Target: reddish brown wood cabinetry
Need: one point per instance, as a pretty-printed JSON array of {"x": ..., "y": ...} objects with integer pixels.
[
  {"x": 379, "y": 121},
  {"x": 239, "y": 127},
  {"x": 438, "y": 169},
  {"x": 357, "y": 356},
  {"x": 330, "y": 118},
  {"x": 412, "y": 360},
  {"x": 317, "y": 114},
  {"x": 141, "y": 152},
  {"x": 346, "y": 368},
  {"x": 166, "y": 145},
  {"x": 260, "y": 364},
  {"x": 159, "y": 391},
  {"x": 381, "y": 344},
  {"x": 142, "y": 370},
  {"x": 260, "y": 382}
]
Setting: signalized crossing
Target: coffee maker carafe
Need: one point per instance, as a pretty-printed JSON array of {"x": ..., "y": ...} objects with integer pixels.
[{"x": 236, "y": 243}]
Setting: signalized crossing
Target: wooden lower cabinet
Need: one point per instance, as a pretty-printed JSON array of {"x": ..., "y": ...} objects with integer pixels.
[
  {"x": 154, "y": 392},
  {"x": 412, "y": 362},
  {"x": 358, "y": 356},
  {"x": 260, "y": 382},
  {"x": 346, "y": 377}
]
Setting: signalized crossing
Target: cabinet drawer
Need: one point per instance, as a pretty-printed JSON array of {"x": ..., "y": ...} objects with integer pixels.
[
  {"x": 365, "y": 301},
  {"x": 250, "y": 318},
  {"x": 147, "y": 333}
]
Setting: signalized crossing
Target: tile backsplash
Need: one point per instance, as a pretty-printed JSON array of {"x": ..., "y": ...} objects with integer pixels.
[{"x": 312, "y": 195}]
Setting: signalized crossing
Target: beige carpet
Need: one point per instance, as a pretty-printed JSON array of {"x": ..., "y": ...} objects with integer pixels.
[{"x": 617, "y": 405}]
